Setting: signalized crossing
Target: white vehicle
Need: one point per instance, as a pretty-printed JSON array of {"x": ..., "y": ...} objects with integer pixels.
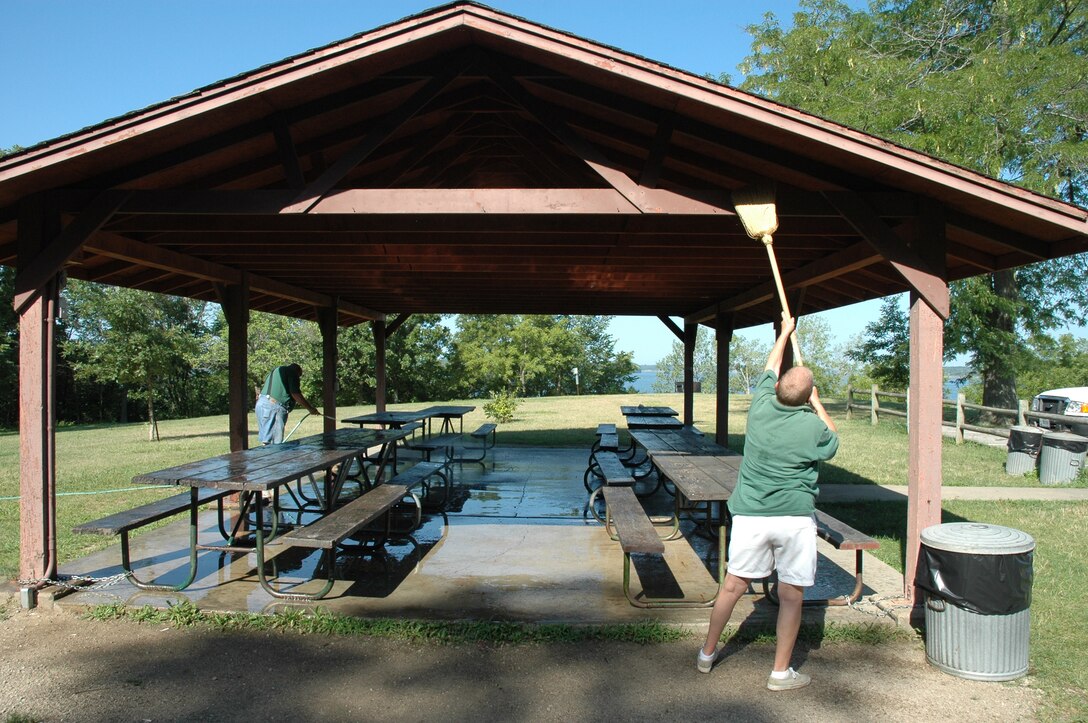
[{"x": 1070, "y": 401}]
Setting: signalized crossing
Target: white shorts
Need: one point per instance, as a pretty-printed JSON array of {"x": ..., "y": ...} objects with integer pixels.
[{"x": 760, "y": 545}]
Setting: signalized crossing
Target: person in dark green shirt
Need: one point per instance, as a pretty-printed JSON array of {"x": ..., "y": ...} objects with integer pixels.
[
  {"x": 279, "y": 394},
  {"x": 773, "y": 524}
]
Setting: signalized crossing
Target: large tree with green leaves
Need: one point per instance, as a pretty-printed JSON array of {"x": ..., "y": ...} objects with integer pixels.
[
  {"x": 997, "y": 86},
  {"x": 884, "y": 349},
  {"x": 533, "y": 355},
  {"x": 145, "y": 342}
]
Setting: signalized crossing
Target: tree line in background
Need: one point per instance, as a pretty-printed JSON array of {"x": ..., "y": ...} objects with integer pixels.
[{"x": 129, "y": 355}]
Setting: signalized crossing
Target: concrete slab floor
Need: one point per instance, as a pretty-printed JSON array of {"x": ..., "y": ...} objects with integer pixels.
[{"x": 512, "y": 545}]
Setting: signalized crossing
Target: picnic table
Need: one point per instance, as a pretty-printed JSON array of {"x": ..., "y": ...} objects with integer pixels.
[
  {"x": 629, "y": 410},
  {"x": 447, "y": 413},
  {"x": 253, "y": 472},
  {"x": 653, "y": 421},
  {"x": 393, "y": 420}
]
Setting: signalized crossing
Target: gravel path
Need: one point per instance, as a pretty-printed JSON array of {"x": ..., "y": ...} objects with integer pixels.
[{"x": 57, "y": 667}]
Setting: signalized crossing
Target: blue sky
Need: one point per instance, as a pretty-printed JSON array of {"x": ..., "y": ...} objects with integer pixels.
[{"x": 67, "y": 64}]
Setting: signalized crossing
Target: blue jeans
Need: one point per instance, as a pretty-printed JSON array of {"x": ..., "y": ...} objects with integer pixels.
[{"x": 271, "y": 419}]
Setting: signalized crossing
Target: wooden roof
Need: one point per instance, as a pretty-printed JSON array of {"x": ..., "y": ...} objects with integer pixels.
[{"x": 467, "y": 161}]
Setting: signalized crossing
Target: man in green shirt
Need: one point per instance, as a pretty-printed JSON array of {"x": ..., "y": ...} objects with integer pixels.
[
  {"x": 773, "y": 506},
  {"x": 281, "y": 391}
]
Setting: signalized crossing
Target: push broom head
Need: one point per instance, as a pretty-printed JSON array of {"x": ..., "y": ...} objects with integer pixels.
[{"x": 755, "y": 207}]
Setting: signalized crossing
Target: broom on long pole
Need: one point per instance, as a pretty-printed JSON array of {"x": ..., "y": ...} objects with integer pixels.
[{"x": 755, "y": 208}]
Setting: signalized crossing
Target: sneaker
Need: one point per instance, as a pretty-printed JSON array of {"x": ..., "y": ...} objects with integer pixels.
[
  {"x": 705, "y": 663},
  {"x": 792, "y": 681}
]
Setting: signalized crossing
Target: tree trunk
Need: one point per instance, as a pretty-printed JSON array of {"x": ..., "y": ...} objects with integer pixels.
[
  {"x": 998, "y": 373},
  {"x": 152, "y": 425}
]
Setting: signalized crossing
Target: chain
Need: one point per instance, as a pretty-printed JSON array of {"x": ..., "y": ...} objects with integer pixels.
[
  {"x": 870, "y": 605},
  {"x": 75, "y": 582}
]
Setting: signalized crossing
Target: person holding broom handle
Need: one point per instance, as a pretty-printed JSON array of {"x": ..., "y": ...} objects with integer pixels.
[
  {"x": 280, "y": 393},
  {"x": 773, "y": 506}
]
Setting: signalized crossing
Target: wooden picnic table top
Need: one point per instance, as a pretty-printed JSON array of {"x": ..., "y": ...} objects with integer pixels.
[
  {"x": 264, "y": 468},
  {"x": 700, "y": 469},
  {"x": 447, "y": 411},
  {"x": 653, "y": 422},
  {"x": 391, "y": 418},
  {"x": 629, "y": 410}
]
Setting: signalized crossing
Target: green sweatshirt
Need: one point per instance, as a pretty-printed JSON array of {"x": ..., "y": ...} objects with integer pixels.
[{"x": 783, "y": 446}]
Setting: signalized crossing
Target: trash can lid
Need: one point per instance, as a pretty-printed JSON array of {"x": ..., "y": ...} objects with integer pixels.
[
  {"x": 977, "y": 538},
  {"x": 1026, "y": 429},
  {"x": 1062, "y": 437}
]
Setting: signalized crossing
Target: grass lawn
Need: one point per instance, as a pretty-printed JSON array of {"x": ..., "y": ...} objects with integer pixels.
[{"x": 96, "y": 459}]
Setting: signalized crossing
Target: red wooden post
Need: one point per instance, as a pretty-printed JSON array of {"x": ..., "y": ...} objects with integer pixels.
[
  {"x": 379, "y": 364},
  {"x": 724, "y": 326},
  {"x": 690, "y": 334},
  {"x": 925, "y": 395},
  {"x": 327, "y": 321},
  {"x": 37, "y": 405},
  {"x": 924, "y": 431}
]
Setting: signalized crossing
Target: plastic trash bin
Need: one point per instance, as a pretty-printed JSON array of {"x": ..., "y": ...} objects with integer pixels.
[
  {"x": 1024, "y": 445},
  {"x": 977, "y": 580},
  {"x": 1062, "y": 457}
]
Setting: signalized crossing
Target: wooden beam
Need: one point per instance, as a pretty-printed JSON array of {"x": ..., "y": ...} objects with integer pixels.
[
  {"x": 378, "y": 134},
  {"x": 37, "y": 404},
  {"x": 292, "y": 168},
  {"x": 850, "y": 259},
  {"x": 378, "y": 328},
  {"x": 723, "y": 325},
  {"x": 234, "y": 299},
  {"x": 651, "y": 171},
  {"x": 691, "y": 332},
  {"x": 907, "y": 262},
  {"x": 326, "y": 321},
  {"x": 51, "y": 258},
  {"x": 156, "y": 257},
  {"x": 924, "y": 402},
  {"x": 391, "y": 327},
  {"x": 646, "y": 200}
]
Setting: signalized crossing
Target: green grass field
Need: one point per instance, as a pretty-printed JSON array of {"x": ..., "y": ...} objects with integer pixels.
[{"x": 96, "y": 459}]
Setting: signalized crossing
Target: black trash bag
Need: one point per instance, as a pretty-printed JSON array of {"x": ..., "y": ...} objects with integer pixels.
[
  {"x": 1068, "y": 443},
  {"x": 984, "y": 584},
  {"x": 1028, "y": 440}
]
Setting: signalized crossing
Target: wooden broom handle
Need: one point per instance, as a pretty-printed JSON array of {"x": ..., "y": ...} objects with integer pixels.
[{"x": 768, "y": 243}]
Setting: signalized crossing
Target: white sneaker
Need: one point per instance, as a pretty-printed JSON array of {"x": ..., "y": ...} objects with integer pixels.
[
  {"x": 705, "y": 663},
  {"x": 792, "y": 681}
]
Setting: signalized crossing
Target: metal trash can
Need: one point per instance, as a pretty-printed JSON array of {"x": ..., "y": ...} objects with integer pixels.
[
  {"x": 977, "y": 581},
  {"x": 1024, "y": 445},
  {"x": 1062, "y": 457}
]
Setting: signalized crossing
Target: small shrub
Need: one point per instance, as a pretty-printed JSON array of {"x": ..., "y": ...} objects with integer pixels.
[{"x": 502, "y": 406}]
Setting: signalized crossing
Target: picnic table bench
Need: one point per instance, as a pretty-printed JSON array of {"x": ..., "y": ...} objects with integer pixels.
[
  {"x": 480, "y": 440},
  {"x": 121, "y": 523}
]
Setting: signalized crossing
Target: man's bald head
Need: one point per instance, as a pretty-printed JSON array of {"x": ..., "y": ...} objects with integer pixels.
[{"x": 795, "y": 386}]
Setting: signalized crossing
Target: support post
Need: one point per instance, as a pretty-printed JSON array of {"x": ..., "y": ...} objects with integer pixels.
[
  {"x": 326, "y": 319},
  {"x": 379, "y": 364},
  {"x": 37, "y": 406},
  {"x": 724, "y": 327},
  {"x": 926, "y": 392},
  {"x": 235, "y": 300},
  {"x": 690, "y": 334}
]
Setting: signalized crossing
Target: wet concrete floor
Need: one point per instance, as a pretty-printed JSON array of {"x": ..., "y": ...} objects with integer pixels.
[{"x": 512, "y": 544}]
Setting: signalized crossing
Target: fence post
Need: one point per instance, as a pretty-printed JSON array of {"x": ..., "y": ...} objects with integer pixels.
[
  {"x": 960, "y": 399},
  {"x": 849, "y": 401},
  {"x": 1021, "y": 407},
  {"x": 874, "y": 406}
]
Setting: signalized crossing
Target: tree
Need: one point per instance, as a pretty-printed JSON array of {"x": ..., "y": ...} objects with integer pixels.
[
  {"x": 997, "y": 87},
  {"x": 537, "y": 355},
  {"x": 885, "y": 347},
  {"x": 140, "y": 340},
  {"x": 670, "y": 370},
  {"x": 747, "y": 359},
  {"x": 831, "y": 369},
  {"x": 1053, "y": 364}
]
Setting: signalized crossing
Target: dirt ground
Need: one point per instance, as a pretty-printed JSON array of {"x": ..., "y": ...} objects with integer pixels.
[{"x": 55, "y": 666}]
